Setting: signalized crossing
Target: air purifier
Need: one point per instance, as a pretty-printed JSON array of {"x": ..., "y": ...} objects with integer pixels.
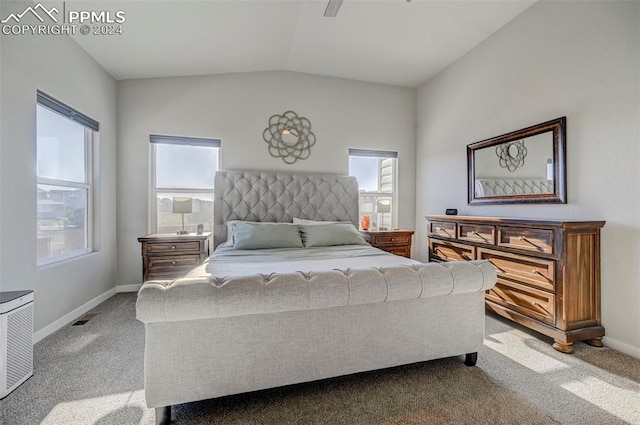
[{"x": 16, "y": 339}]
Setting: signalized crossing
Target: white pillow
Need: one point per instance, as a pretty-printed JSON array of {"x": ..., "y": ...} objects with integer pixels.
[
  {"x": 330, "y": 235},
  {"x": 229, "y": 241}
]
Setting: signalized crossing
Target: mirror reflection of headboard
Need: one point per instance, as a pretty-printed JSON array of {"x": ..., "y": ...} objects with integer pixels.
[
  {"x": 524, "y": 166},
  {"x": 508, "y": 187}
]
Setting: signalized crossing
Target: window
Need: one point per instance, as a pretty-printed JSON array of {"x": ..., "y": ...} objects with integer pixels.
[
  {"x": 64, "y": 147},
  {"x": 376, "y": 174},
  {"x": 183, "y": 167}
]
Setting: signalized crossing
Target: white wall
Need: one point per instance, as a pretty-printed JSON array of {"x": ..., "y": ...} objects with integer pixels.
[
  {"x": 59, "y": 67},
  {"x": 575, "y": 59},
  {"x": 236, "y": 108}
]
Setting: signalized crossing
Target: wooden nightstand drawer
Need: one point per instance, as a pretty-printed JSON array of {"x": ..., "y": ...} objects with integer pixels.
[
  {"x": 397, "y": 242},
  {"x": 169, "y": 247},
  {"x": 402, "y": 251},
  {"x": 173, "y": 261}
]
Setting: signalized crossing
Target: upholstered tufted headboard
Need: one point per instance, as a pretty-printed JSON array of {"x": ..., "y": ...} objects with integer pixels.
[{"x": 278, "y": 197}]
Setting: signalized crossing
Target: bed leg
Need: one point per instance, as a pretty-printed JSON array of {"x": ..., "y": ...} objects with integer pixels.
[
  {"x": 470, "y": 359},
  {"x": 163, "y": 415}
]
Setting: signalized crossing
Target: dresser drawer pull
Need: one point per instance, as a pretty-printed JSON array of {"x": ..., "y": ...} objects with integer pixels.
[
  {"x": 442, "y": 229},
  {"x": 174, "y": 263},
  {"x": 173, "y": 247},
  {"x": 393, "y": 239},
  {"x": 537, "y": 273},
  {"x": 522, "y": 238},
  {"x": 537, "y": 304},
  {"x": 496, "y": 266},
  {"x": 480, "y": 236}
]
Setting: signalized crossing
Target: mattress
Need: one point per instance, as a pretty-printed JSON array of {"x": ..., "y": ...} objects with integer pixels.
[{"x": 225, "y": 261}]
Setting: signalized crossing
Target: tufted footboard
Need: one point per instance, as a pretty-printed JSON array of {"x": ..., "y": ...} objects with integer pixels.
[{"x": 208, "y": 338}]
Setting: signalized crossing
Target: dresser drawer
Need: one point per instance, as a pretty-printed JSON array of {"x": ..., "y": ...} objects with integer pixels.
[
  {"x": 169, "y": 247},
  {"x": 443, "y": 228},
  {"x": 531, "y": 302},
  {"x": 538, "y": 240},
  {"x": 476, "y": 233},
  {"x": 450, "y": 251},
  {"x": 530, "y": 271}
]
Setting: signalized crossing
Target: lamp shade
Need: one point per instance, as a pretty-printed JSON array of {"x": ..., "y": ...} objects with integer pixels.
[
  {"x": 383, "y": 206},
  {"x": 182, "y": 205}
]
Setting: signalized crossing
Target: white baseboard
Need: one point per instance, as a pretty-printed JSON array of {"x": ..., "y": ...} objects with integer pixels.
[
  {"x": 71, "y": 316},
  {"x": 128, "y": 288},
  {"x": 622, "y": 347}
]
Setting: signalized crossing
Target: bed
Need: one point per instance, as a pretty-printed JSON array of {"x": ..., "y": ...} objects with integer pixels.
[{"x": 256, "y": 317}]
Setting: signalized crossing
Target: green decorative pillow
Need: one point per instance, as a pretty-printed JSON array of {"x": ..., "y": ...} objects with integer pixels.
[
  {"x": 247, "y": 235},
  {"x": 330, "y": 235}
]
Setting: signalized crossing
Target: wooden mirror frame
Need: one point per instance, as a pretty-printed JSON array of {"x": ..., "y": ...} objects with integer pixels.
[{"x": 559, "y": 196}]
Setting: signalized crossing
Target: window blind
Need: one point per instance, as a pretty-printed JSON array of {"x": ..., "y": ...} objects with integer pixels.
[
  {"x": 373, "y": 153},
  {"x": 67, "y": 111},
  {"x": 185, "y": 141}
]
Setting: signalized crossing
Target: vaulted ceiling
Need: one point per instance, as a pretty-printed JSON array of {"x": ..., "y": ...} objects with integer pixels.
[{"x": 383, "y": 41}]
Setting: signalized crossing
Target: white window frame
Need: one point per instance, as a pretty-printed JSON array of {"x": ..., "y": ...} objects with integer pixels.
[
  {"x": 369, "y": 153},
  {"x": 91, "y": 128},
  {"x": 153, "y": 190}
]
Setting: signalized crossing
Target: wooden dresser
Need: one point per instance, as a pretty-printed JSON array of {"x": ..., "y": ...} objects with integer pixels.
[
  {"x": 397, "y": 242},
  {"x": 548, "y": 270},
  {"x": 172, "y": 256}
]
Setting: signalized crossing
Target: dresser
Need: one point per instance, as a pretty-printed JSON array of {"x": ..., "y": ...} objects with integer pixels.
[
  {"x": 548, "y": 270},
  {"x": 397, "y": 242},
  {"x": 168, "y": 256}
]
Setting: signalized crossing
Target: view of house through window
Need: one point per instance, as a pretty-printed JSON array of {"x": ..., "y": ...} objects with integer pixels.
[
  {"x": 184, "y": 168},
  {"x": 376, "y": 174},
  {"x": 64, "y": 181}
]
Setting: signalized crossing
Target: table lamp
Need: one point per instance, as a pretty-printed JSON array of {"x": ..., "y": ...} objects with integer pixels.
[
  {"x": 383, "y": 206},
  {"x": 182, "y": 205}
]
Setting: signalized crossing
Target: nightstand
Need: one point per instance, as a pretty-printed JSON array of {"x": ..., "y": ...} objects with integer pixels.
[
  {"x": 397, "y": 242},
  {"x": 172, "y": 256}
]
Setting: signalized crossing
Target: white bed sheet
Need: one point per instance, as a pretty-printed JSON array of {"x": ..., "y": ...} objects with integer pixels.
[{"x": 228, "y": 262}]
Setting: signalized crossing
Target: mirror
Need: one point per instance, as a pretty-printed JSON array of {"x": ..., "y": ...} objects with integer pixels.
[
  {"x": 289, "y": 136},
  {"x": 521, "y": 167}
]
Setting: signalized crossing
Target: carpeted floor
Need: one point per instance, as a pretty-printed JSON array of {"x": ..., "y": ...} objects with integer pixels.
[{"x": 92, "y": 374}]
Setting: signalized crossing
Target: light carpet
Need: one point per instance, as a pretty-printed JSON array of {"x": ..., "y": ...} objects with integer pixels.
[{"x": 93, "y": 374}]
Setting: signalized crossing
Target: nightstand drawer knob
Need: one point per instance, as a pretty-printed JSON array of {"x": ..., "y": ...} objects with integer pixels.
[
  {"x": 174, "y": 263},
  {"x": 393, "y": 239},
  {"x": 173, "y": 247}
]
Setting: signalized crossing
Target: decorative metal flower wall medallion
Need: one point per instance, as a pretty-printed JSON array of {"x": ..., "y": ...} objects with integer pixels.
[
  {"x": 511, "y": 155},
  {"x": 289, "y": 137}
]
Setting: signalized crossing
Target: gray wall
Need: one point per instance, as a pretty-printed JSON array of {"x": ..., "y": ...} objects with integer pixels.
[
  {"x": 574, "y": 59},
  {"x": 236, "y": 108},
  {"x": 59, "y": 67}
]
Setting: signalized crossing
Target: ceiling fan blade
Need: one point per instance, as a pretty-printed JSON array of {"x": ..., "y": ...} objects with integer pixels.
[{"x": 332, "y": 8}]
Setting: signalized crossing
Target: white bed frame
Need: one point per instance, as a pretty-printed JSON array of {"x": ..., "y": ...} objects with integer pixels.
[{"x": 195, "y": 351}]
